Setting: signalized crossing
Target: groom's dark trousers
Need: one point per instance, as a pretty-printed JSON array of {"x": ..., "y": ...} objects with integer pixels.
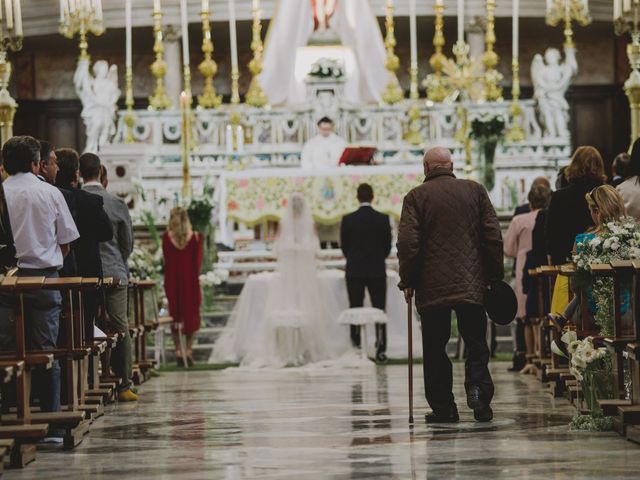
[{"x": 377, "y": 288}]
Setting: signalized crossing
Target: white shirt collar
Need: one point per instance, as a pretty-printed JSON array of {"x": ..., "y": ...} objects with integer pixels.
[
  {"x": 93, "y": 183},
  {"x": 365, "y": 204}
]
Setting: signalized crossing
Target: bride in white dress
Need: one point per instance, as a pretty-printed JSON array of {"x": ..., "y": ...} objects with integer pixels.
[{"x": 298, "y": 325}]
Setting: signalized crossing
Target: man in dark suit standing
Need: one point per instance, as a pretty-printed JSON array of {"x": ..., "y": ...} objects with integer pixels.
[{"x": 365, "y": 239}]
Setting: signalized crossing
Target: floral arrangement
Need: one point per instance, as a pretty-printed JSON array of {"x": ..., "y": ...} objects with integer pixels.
[
  {"x": 488, "y": 131},
  {"x": 213, "y": 278},
  {"x": 618, "y": 240},
  {"x": 200, "y": 209},
  {"x": 327, "y": 68},
  {"x": 144, "y": 265},
  {"x": 592, "y": 367}
]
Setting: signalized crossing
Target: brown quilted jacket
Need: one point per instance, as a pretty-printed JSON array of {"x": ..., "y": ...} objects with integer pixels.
[{"x": 449, "y": 242}]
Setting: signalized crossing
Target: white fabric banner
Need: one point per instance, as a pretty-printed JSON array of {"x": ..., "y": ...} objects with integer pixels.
[{"x": 292, "y": 26}]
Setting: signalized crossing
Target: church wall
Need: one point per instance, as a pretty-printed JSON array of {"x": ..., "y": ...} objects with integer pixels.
[{"x": 44, "y": 72}]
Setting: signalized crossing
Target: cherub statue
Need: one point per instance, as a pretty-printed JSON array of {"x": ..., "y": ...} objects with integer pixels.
[
  {"x": 99, "y": 94},
  {"x": 551, "y": 78}
]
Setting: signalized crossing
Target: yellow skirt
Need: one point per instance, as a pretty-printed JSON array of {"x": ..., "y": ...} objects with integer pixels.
[{"x": 560, "y": 298}]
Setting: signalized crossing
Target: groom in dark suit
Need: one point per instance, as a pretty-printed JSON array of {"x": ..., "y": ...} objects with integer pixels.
[{"x": 365, "y": 239}]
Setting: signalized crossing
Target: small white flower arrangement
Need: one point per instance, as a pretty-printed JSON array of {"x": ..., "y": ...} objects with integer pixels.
[
  {"x": 144, "y": 265},
  {"x": 591, "y": 367},
  {"x": 327, "y": 68},
  {"x": 213, "y": 278}
]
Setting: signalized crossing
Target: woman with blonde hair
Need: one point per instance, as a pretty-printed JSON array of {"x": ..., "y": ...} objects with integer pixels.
[
  {"x": 605, "y": 205},
  {"x": 182, "y": 249}
]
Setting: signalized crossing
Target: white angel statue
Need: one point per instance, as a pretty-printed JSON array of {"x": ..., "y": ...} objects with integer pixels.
[
  {"x": 99, "y": 94},
  {"x": 551, "y": 78}
]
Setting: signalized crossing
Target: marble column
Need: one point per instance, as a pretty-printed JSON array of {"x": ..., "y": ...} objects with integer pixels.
[
  {"x": 173, "y": 57},
  {"x": 475, "y": 29}
]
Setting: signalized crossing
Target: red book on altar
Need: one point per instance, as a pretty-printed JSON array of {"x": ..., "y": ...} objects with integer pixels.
[{"x": 357, "y": 156}]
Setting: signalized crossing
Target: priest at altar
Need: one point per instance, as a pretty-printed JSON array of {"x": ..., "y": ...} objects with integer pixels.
[{"x": 323, "y": 150}]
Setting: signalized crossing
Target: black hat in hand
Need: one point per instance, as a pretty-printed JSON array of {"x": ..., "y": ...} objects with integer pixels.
[{"x": 500, "y": 302}]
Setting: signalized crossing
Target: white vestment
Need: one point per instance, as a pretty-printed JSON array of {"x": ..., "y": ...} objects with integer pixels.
[
  {"x": 322, "y": 152},
  {"x": 292, "y": 26}
]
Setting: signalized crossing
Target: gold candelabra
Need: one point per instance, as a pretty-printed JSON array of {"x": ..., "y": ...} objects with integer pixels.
[
  {"x": 208, "y": 67},
  {"x": 392, "y": 93},
  {"x": 81, "y": 18},
  {"x": 159, "y": 100},
  {"x": 565, "y": 12},
  {"x": 129, "y": 118},
  {"x": 492, "y": 78},
  {"x": 11, "y": 40},
  {"x": 255, "y": 95},
  {"x": 433, "y": 83},
  {"x": 515, "y": 132},
  {"x": 627, "y": 21}
]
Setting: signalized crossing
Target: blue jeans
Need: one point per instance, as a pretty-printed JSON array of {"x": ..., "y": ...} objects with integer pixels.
[{"x": 42, "y": 310}]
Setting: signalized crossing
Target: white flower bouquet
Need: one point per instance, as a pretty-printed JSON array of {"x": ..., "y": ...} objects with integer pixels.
[
  {"x": 619, "y": 240},
  {"x": 591, "y": 367},
  {"x": 327, "y": 68},
  {"x": 213, "y": 278},
  {"x": 144, "y": 265}
]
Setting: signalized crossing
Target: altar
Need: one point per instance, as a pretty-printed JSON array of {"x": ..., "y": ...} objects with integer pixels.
[{"x": 253, "y": 196}]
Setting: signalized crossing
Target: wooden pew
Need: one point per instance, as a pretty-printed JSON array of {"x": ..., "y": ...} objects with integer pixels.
[
  {"x": 105, "y": 383},
  {"x": 628, "y": 420},
  {"x": 141, "y": 365}
]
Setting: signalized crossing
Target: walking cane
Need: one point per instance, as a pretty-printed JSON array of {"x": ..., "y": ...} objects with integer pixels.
[{"x": 410, "y": 355}]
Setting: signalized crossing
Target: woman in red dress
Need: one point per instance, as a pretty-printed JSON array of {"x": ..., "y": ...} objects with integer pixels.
[{"x": 182, "y": 249}]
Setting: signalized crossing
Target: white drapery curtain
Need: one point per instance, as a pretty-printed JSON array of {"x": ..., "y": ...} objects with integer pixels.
[{"x": 290, "y": 29}]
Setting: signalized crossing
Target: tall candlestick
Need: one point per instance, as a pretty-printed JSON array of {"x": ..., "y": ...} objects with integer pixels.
[
  {"x": 127, "y": 22},
  {"x": 460, "y": 21},
  {"x": 205, "y": 6},
  {"x": 156, "y": 6},
  {"x": 413, "y": 32},
  {"x": 235, "y": 73},
  {"x": 516, "y": 33},
  {"x": 185, "y": 33}
]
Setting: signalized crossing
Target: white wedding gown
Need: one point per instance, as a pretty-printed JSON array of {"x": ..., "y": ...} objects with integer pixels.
[{"x": 298, "y": 326}]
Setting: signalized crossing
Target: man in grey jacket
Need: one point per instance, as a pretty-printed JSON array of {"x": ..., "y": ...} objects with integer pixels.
[{"x": 114, "y": 255}]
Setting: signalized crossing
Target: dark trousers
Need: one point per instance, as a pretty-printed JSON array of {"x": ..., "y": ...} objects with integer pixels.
[
  {"x": 438, "y": 376},
  {"x": 42, "y": 310},
  {"x": 377, "y": 288}
]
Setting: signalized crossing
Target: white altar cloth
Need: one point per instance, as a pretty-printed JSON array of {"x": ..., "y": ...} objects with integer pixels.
[{"x": 237, "y": 337}]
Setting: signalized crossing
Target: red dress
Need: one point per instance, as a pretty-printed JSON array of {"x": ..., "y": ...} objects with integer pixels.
[{"x": 182, "y": 282}]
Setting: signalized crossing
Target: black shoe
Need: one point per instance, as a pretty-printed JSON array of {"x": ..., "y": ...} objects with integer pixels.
[
  {"x": 179, "y": 362},
  {"x": 484, "y": 414},
  {"x": 474, "y": 400},
  {"x": 381, "y": 357},
  {"x": 190, "y": 362},
  {"x": 450, "y": 416},
  {"x": 557, "y": 320},
  {"x": 519, "y": 361}
]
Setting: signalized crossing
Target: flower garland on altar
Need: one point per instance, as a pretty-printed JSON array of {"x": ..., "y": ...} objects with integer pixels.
[{"x": 327, "y": 68}]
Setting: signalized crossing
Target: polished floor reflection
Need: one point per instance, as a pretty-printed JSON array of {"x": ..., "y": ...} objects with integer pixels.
[{"x": 338, "y": 424}]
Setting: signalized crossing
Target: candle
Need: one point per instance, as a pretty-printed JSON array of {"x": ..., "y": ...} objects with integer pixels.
[
  {"x": 63, "y": 7},
  {"x": 127, "y": 21},
  {"x": 17, "y": 13},
  {"x": 413, "y": 33},
  {"x": 156, "y": 6},
  {"x": 229, "y": 138},
  {"x": 549, "y": 5},
  {"x": 240, "y": 138},
  {"x": 8, "y": 6},
  {"x": 460, "y": 21},
  {"x": 617, "y": 9},
  {"x": 185, "y": 33},
  {"x": 205, "y": 6},
  {"x": 232, "y": 35},
  {"x": 626, "y": 5},
  {"x": 98, "y": 9},
  {"x": 256, "y": 4},
  {"x": 515, "y": 28},
  {"x": 439, "y": 3}
]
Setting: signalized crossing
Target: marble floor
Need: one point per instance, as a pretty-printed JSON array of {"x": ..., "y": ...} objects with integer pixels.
[{"x": 334, "y": 424}]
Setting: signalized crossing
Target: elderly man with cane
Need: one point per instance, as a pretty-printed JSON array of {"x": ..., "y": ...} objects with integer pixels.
[{"x": 450, "y": 250}]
